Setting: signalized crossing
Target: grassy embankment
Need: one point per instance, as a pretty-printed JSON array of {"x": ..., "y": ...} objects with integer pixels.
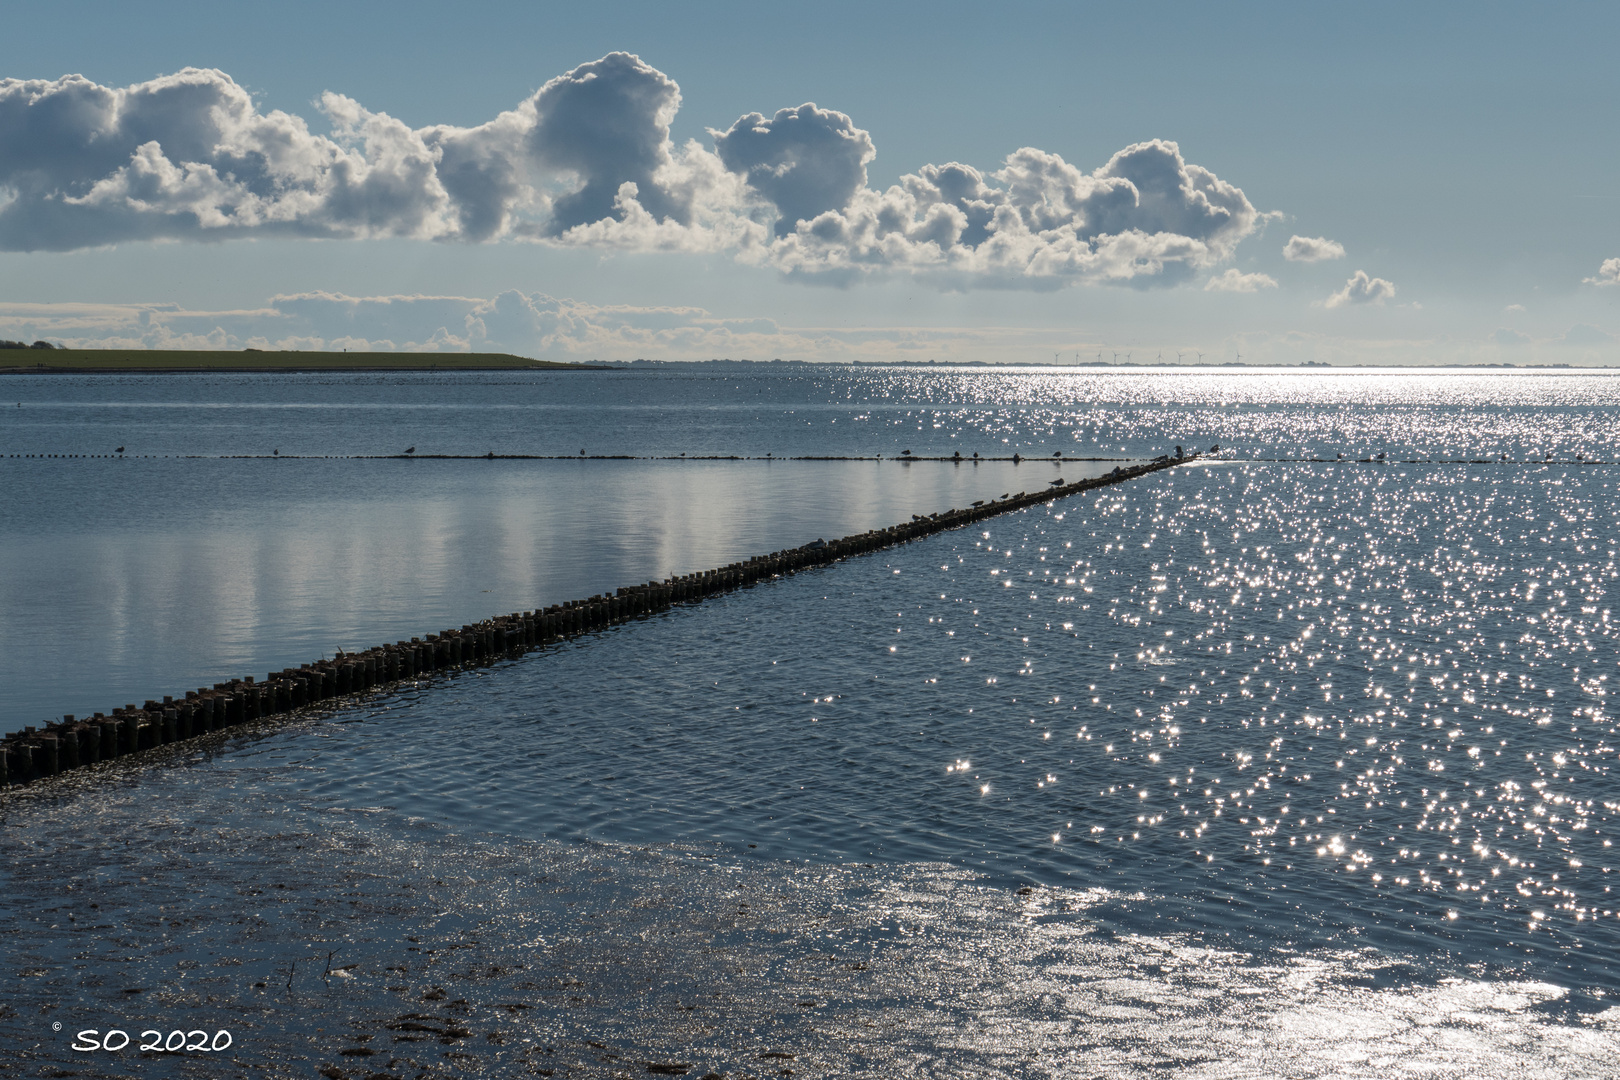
[{"x": 34, "y": 361}]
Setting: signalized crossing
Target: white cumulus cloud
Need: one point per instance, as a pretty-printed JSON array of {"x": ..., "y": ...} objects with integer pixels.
[
  {"x": 188, "y": 156},
  {"x": 1608, "y": 274},
  {"x": 588, "y": 161},
  {"x": 1361, "y": 289},
  {"x": 1145, "y": 216},
  {"x": 802, "y": 161},
  {"x": 1234, "y": 280},
  {"x": 1311, "y": 249}
]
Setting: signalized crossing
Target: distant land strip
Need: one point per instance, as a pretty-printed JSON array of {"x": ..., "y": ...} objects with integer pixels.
[
  {"x": 157, "y": 361},
  {"x": 1057, "y": 459},
  {"x": 15, "y": 360},
  {"x": 955, "y": 459},
  {"x": 71, "y": 743}
]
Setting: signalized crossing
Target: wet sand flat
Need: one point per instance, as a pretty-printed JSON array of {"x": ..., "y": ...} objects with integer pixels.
[{"x": 333, "y": 940}]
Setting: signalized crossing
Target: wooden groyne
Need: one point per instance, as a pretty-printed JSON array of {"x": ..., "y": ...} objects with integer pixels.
[{"x": 72, "y": 743}]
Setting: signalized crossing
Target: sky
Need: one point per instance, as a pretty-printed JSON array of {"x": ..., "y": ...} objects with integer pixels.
[{"x": 1288, "y": 183}]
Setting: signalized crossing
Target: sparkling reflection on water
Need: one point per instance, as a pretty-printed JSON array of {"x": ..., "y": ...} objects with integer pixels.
[
  {"x": 1308, "y": 768},
  {"x": 1282, "y": 705},
  {"x": 827, "y": 409},
  {"x": 364, "y": 940}
]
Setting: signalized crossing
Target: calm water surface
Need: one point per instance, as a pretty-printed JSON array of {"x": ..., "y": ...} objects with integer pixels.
[
  {"x": 822, "y": 410},
  {"x": 174, "y": 574},
  {"x": 1400, "y": 737},
  {"x": 1309, "y": 766}
]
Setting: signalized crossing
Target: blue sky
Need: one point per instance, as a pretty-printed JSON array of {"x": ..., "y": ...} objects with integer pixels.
[{"x": 1461, "y": 156}]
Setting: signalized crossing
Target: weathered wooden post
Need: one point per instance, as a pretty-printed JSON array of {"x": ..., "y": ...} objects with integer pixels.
[
  {"x": 67, "y": 746},
  {"x": 21, "y": 766},
  {"x": 89, "y": 743}
]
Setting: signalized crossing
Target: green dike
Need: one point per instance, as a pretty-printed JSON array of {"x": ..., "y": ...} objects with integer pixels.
[{"x": 112, "y": 361}]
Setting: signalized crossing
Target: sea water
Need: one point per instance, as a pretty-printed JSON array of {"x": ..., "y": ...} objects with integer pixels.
[{"x": 1250, "y": 767}]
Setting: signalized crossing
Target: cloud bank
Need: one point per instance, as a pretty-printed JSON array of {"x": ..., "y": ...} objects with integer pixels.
[
  {"x": 1309, "y": 249},
  {"x": 588, "y": 161},
  {"x": 1584, "y": 334},
  {"x": 555, "y": 328},
  {"x": 529, "y": 324},
  {"x": 1361, "y": 289}
]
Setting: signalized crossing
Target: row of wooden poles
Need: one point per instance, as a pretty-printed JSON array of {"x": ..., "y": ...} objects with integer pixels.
[{"x": 72, "y": 743}]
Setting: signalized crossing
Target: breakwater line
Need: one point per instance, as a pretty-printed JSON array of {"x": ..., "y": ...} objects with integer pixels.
[
  {"x": 1058, "y": 459},
  {"x": 72, "y": 743},
  {"x": 907, "y": 457}
]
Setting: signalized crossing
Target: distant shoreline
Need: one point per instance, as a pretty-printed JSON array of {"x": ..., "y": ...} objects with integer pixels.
[
  {"x": 158, "y": 361},
  {"x": 30, "y": 361}
]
